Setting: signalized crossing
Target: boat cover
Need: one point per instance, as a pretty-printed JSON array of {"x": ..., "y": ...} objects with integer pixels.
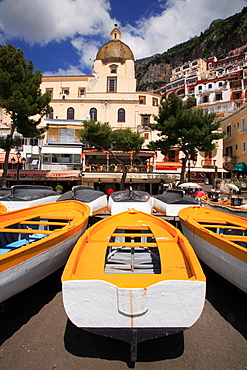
[
  {"x": 4, "y": 191},
  {"x": 28, "y": 192},
  {"x": 176, "y": 197},
  {"x": 85, "y": 194},
  {"x": 127, "y": 195}
]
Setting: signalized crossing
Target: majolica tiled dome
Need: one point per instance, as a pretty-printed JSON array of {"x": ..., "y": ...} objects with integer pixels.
[{"x": 114, "y": 50}]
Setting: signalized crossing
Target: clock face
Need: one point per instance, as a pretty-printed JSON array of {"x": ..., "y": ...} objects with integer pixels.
[{"x": 228, "y": 166}]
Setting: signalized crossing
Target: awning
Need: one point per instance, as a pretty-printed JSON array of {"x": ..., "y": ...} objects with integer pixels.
[
  {"x": 167, "y": 166},
  {"x": 242, "y": 167}
]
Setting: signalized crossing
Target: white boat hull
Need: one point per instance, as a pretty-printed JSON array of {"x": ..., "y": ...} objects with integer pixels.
[
  {"x": 118, "y": 207},
  {"x": 167, "y": 304},
  {"x": 97, "y": 205},
  {"x": 15, "y": 205},
  {"x": 168, "y": 209},
  {"x": 36, "y": 268},
  {"x": 231, "y": 268}
]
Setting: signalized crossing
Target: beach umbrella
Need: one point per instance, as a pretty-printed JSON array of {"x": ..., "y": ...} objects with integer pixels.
[
  {"x": 242, "y": 167},
  {"x": 190, "y": 185}
]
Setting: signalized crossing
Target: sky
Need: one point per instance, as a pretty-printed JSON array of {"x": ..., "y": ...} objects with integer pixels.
[{"x": 62, "y": 37}]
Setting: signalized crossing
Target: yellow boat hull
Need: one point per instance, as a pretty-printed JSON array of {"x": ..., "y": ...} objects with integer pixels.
[{"x": 220, "y": 240}]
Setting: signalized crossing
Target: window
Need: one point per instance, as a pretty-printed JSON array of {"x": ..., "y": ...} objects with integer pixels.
[
  {"x": 220, "y": 84},
  {"x": 205, "y": 99},
  {"x": 243, "y": 124},
  {"x": 81, "y": 91},
  {"x": 93, "y": 114},
  {"x": 229, "y": 131},
  {"x": 229, "y": 151},
  {"x": 210, "y": 86},
  {"x": 218, "y": 96},
  {"x": 70, "y": 113},
  {"x": 145, "y": 119},
  {"x": 34, "y": 142},
  {"x": 186, "y": 66},
  {"x": 155, "y": 102},
  {"x": 236, "y": 147},
  {"x": 65, "y": 91},
  {"x": 200, "y": 87},
  {"x": 50, "y": 114},
  {"x": 50, "y": 91},
  {"x": 121, "y": 115},
  {"x": 142, "y": 99},
  {"x": 67, "y": 135},
  {"x": 112, "y": 84},
  {"x": 113, "y": 68},
  {"x": 146, "y": 136},
  {"x": 244, "y": 146}
]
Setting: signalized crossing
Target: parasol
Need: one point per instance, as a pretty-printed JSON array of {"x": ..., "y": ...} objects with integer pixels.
[{"x": 190, "y": 185}]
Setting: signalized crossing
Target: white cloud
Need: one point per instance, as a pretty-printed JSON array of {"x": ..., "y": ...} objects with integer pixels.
[
  {"x": 86, "y": 49},
  {"x": 72, "y": 70},
  {"x": 41, "y": 21},
  {"x": 180, "y": 20}
]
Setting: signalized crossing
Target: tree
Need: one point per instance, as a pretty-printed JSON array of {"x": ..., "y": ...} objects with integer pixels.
[
  {"x": 21, "y": 99},
  {"x": 104, "y": 138},
  {"x": 189, "y": 130}
]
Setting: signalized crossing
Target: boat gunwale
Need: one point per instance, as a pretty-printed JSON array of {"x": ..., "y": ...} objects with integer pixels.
[{"x": 210, "y": 236}]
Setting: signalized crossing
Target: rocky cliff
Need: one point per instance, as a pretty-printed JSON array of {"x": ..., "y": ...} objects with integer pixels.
[{"x": 218, "y": 40}]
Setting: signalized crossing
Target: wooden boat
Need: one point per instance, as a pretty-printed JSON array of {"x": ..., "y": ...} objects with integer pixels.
[
  {"x": 123, "y": 200},
  {"x": 96, "y": 200},
  {"x": 133, "y": 276},
  {"x": 226, "y": 206},
  {"x": 220, "y": 240},
  {"x": 36, "y": 241},
  {"x": 23, "y": 196},
  {"x": 170, "y": 202}
]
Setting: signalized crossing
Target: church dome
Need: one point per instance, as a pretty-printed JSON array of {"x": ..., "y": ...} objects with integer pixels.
[{"x": 114, "y": 50}]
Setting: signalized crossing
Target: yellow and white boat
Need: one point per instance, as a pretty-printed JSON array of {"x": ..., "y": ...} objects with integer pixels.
[
  {"x": 36, "y": 241},
  {"x": 124, "y": 200},
  {"x": 133, "y": 276},
  {"x": 95, "y": 199},
  {"x": 220, "y": 240},
  {"x": 25, "y": 196},
  {"x": 226, "y": 206}
]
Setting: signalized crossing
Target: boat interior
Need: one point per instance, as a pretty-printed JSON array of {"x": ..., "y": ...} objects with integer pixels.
[
  {"x": 28, "y": 231},
  {"x": 228, "y": 230},
  {"x": 132, "y": 251}
]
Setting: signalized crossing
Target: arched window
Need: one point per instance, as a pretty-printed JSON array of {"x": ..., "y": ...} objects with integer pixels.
[
  {"x": 93, "y": 114},
  {"x": 121, "y": 115},
  {"x": 70, "y": 113}
]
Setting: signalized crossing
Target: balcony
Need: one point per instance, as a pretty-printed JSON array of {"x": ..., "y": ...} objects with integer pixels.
[{"x": 118, "y": 168}]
